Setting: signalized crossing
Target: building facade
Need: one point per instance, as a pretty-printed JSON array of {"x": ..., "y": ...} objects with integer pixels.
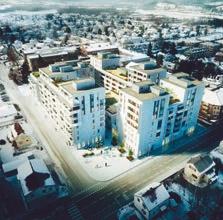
[
  {"x": 148, "y": 70},
  {"x": 112, "y": 72},
  {"x": 153, "y": 116},
  {"x": 143, "y": 112},
  {"x": 212, "y": 105},
  {"x": 185, "y": 100},
  {"x": 69, "y": 94},
  {"x": 108, "y": 72}
]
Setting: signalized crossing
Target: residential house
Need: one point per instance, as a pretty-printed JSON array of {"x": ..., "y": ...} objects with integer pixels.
[
  {"x": 200, "y": 171},
  {"x": 152, "y": 200}
]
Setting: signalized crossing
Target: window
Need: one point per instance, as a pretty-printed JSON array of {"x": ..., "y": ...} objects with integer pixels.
[
  {"x": 101, "y": 102},
  {"x": 159, "y": 124},
  {"x": 195, "y": 177},
  {"x": 144, "y": 212},
  {"x": 192, "y": 168},
  {"x": 162, "y": 105},
  {"x": 155, "y": 109},
  {"x": 83, "y": 104},
  {"x": 75, "y": 121},
  {"x": 91, "y": 102}
]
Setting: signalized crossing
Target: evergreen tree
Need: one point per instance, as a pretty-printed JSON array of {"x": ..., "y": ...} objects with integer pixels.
[{"x": 149, "y": 50}]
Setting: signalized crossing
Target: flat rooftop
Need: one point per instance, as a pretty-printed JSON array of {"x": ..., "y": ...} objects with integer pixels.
[
  {"x": 46, "y": 70},
  {"x": 65, "y": 66},
  {"x": 70, "y": 85},
  {"x": 182, "y": 80},
  {"x": 138, "y": 67},
  {"x": 44, "y": 52},
  {"x": 139, "y": 96},
  {"x": 145, "y": 90},
  {"x": 119, "y": 72},
  {"x": 99, "y": 47}
]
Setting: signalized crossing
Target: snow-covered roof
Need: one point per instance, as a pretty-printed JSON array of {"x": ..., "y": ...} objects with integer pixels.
[
  {"x": 30, "y": 167},
  {"x": 153, "y": 195},
  {"x": 7, "y": 110},
  {"x": 16, "y": 161},
  {"x": 99, "y": 47},
  {"x": 201, "y": 162},
  {"x": 6, "y": 154},
  {"x": 213, "y": 97}
]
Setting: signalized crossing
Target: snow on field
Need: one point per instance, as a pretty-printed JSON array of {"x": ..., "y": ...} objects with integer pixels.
[{"x": 177, "y": 14}]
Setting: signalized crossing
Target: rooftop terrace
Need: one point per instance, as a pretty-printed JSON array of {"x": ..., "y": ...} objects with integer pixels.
[{"x": 119, "y": 72}]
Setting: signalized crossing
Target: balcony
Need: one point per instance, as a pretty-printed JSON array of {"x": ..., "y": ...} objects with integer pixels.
[
  {"x": 75, "y": 123},
  {"x": 75, "y": 108}
]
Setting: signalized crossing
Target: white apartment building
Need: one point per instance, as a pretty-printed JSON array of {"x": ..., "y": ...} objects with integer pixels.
[
  {"x": 152, "y": 116},
  {"x": 185, "y": 101},
  {"x": 142, "y": 71},
  {"x": 143, "y": 112},
  {"x": 113, "y": 74},
  {"x": 73, "y": 101},
  {"x": 105, "y": 60},
  {"x": 108, "y": 72}
]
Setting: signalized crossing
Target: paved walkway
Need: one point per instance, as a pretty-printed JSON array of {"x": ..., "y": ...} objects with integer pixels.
[{"x": 105, "y": 165}]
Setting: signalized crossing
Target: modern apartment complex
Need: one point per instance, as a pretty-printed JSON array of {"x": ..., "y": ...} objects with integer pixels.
[
  {"x": 69, "y": 94},
  {"x": 112, "y": 72},
  {"x": 152, "y": 115},
  {"x": 108, "y": 72},
  {"x": 138, "y": 72},
  {"x": 143, "y": 113},
  {"x": 185, "y": 101}
]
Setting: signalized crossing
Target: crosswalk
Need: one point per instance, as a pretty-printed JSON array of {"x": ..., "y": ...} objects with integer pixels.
[
  {"x": 74, "y": 213},
  {"x": 89, "y": 191}
]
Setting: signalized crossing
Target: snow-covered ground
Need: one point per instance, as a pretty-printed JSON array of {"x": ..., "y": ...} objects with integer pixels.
[{"x": 178, "y": 14}]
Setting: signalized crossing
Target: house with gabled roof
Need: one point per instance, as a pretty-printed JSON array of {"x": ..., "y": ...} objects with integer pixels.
[
  {"x": 152, "y": 200},
  {"x": 200, "y": 171},
  {"x": 37, "y": 185}
]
